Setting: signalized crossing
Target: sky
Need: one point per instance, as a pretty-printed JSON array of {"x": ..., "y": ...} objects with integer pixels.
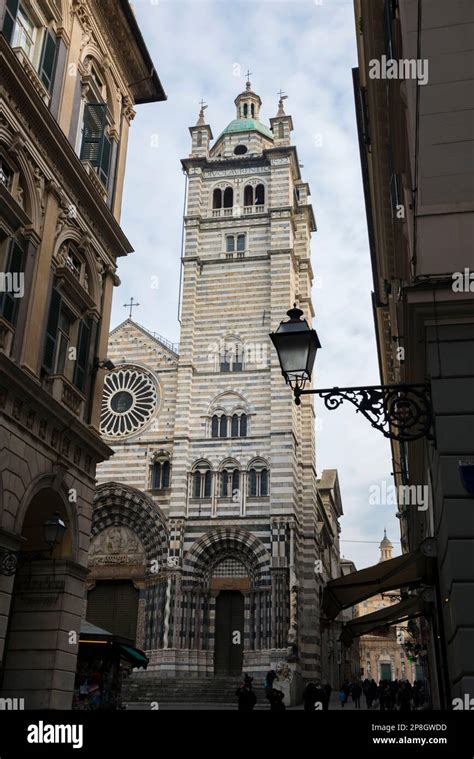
[{"x": 202, "y": 49}]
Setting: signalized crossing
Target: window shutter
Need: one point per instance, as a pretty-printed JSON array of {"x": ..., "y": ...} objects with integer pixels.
[
  {"x": 83, "y": 343},
  {"x": 8, "y": 302},
  {"x": 95, "y": 121},
  {"x": 52, "y": 331},
  {"x": 105, "y": 161},
  {"x": 11, "y": 11},
  {"x": 48, "y": 60}
]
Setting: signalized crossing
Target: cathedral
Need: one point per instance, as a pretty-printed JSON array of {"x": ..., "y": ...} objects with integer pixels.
[{"x": 212, "y": 538}]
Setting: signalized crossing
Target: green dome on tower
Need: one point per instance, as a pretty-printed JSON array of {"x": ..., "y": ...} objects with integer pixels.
[{"x": 247, "y": 125}]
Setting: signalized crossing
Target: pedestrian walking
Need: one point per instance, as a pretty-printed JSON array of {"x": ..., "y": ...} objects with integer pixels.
[{"x": 246, "y": 695}]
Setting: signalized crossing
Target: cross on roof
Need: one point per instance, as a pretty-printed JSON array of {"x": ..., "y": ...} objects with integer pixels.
[
  {"x": 280, "y": 93},
  {"x": 131, "y": 305},
  {"x": 249, "y": 74},
  {"x": 202, "y": 104}
]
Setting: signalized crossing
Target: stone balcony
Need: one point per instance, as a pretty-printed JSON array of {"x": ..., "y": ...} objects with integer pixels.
[
  {"x": 32, "y": 74},
  {"x": 64, "y": 392}
]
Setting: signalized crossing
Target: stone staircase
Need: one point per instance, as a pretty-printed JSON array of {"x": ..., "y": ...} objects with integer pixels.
[{"x": 147, "y": 687}]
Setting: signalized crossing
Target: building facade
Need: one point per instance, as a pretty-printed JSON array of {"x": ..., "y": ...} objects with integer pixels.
[
  {"x": 416, "y": 144},
  {"x": 382, "y": 656},
  {"x": 65, "y": 110},
  {"x": 212, "y": 450}
]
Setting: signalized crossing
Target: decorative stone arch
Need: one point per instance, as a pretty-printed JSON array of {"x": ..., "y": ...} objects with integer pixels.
[
  {"x": 120, "y": 505},
  {"x": 91, "y": 258},
  {"x": 222, "y": 543},
  {"x": 93, "y": 52},
  {"x": 31, "y": 200},
  {"x": 217, "y": 406},
  {"x": 51, "y": 482}
]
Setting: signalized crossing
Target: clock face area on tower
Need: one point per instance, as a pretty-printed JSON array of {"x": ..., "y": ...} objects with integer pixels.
[{"x": 129, "y": 401}]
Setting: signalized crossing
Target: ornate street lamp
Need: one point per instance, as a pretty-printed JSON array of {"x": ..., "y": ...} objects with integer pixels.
[
  {"x": 400, "y": 412},
  {"x": 53, "y": 534}
]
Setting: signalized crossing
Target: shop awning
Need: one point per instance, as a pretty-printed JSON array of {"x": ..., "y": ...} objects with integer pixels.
[
  {"x": 91, "y": 635},
  {"x": 135, "y": 656},
  {"x": 408, "y": 570},
  {"x": 409, "y": 608}
]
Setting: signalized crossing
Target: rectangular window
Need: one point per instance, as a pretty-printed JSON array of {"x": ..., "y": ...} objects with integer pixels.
[
  {"x": 95, "y": 122},
  {"x": 51, "y": 337},
  {"x": 82, "y": 360},
  {"x": 241, "y": 242},
  {"x": 9, "y": 21},
  {"x": 11, "y": 282},
  {"x": 24, "y": 33},
  {"x": 62, "y": 340},
  {"x": 230, "y": 244},
  {"x": 48, "y": 60}
]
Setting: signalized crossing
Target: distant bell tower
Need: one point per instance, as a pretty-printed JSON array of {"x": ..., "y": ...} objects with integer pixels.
[{"x": 386, "y": 548}]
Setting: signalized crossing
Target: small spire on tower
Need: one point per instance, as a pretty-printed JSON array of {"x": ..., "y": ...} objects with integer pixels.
[
  {"x": 281, "y": 107},
  {"x": 248, "y": 85},
  {"x": 200, "y": 121}
]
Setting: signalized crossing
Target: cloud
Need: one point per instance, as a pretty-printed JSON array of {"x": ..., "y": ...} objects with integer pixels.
[{"x": 308, "y": 49}]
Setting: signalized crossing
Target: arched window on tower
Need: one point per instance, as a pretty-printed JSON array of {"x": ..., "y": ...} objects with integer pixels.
[
  {"x": 223, "y": 426},
  {"x": 215, "y": 426},
  {"x": 217, "y": 198},
  {"x": 245, "y": 110},
  {"x": 160, "y": 474},
  {"x": 243, "y": 425},
  {"x": 235, "y": 425},
  {"x": 248, "y": 195},
  {"x": 202, "y": 480},
  {"x": 252, "y": 110},
  {"x": 199, "y": 140},
  {"x": 281, "y": 131},
  {"x": 224, "y": 483},
  {"x": 258, "y": 481},
  {"x": 235, "y": 481},
  {"x": 260, "y": 195},
  {"x": 228, "y": 197}
]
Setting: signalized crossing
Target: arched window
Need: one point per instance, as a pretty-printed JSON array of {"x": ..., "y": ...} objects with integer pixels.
[
  {"x": 235, "y": 425},
  {"x": 197, "y": 484},
  {"x": 215, "y": 426},
  {"x": 217, "y": 198},
  {"x": 202, "y": 481},
  {"x": 207, "y": 484},
  {"x": 281, "y": 131},
  {"x": 253, "y": 482},
  {"x": 260, "y": 195},
  {"x": 223, "y": 426},
  {"x": 235, "y": 481},
  {"x": 252, "y": 110},
  {"x": 258, "y": 481},
  {"x": 224, "y": 483},
  {"x": 246, "y": 110},
  {"x": 160, "y": 475},
  {"x": 199, "y": 140},
  {"x": 237, "y": 363},
  {"x": 243, "y": 425},
  {"x": 228, "y": 197},
  {"x": 165, "y": 474},
  {"x": 248, "y": 195}
]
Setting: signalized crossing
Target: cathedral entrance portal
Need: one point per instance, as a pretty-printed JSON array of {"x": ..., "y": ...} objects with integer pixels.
[{"x": 228, "y": 651}]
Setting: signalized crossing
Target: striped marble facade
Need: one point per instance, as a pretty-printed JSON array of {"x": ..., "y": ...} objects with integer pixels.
[{"x": 276, "y": 535}]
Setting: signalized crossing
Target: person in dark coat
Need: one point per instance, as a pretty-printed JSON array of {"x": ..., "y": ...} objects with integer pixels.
[
  {"x": 310, "y": 697},
  {"x": 276, "y": 698},
  {"x": 327, "y": 696},
  {"x": 356, "y": 692},
  {"x": 246, "y": 695},
  {"x": 270, "y": 678}
]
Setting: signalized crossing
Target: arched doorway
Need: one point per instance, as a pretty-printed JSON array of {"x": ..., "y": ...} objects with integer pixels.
[
  {"x": 39, "y": 656},
  {"x": 128, "y": 551},
  {"x": 229, "y": 635}
]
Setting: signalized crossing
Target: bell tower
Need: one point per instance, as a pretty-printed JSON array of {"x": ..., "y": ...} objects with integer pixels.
[{"x": 244, "y": 512}]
